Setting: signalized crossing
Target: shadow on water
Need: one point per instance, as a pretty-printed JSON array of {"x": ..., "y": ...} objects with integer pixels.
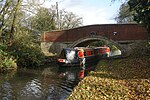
[{"x": 53, "y": 83}]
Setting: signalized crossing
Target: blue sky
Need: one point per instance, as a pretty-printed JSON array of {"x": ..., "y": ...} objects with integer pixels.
[{"x": 92, "y": 11}]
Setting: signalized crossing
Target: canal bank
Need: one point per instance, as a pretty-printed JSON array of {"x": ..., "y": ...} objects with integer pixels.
[{"x": 127, "y": 78}]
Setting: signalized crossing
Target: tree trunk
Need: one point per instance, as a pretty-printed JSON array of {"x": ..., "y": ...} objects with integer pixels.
[{"x": 12, "y": 30}]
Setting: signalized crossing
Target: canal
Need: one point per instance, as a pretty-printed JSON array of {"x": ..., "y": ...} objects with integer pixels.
[{"x": 52, "y": 83}]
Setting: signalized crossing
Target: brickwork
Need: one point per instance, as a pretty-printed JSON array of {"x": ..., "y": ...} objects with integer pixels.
[{"x": 116, "y": 32}]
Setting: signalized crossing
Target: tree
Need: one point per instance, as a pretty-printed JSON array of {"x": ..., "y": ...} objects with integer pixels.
[
  {"x": 142, "y": 11},
  {"x": 12, "y": 29},
  {"x": 125, "y": 15},
  {"x": 69, "y": 20},
  {"x": 14, "y": 16},
  {"x": 43, "y": 20},
  {"x": 9, "y": 10},
  {"x": 47, "y": 19},
  {"x": 16, "y": 36}
]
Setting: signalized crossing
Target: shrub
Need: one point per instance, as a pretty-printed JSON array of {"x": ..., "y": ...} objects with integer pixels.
[
  {"x": 7, "y": 62},
  {"x": 28, "y": 56},
  {"x": 27, "y": 53}
]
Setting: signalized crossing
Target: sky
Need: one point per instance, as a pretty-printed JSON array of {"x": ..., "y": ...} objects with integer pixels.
[{"x": 92, "y": 11}]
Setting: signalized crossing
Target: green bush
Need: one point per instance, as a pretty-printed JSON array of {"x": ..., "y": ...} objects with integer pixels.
[
  {"x": 27, "y": 53},
  {"x": 28, "y": 56},
  {"x": 7, "y": 62}
]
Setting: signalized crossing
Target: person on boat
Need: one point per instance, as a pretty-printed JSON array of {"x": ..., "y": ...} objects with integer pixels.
[
  {"x": 82, "y": 63},
  {"x": 107, "y": 51}
]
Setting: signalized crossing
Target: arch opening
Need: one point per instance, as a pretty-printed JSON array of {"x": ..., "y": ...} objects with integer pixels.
[{"x": 116, "y": 48}]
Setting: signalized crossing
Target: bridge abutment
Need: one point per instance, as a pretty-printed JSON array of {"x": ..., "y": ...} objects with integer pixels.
[{"x": 53, "y": 48}]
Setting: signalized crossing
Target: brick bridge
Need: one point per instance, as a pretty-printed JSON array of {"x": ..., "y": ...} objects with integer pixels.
[{"x": 121, "y": 35}]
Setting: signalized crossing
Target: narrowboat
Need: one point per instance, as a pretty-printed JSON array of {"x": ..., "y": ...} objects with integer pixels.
[{"x": 74, "y": 56}]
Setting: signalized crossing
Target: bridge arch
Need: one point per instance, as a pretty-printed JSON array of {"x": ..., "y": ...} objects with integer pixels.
[{"x": 83, "y": 42}]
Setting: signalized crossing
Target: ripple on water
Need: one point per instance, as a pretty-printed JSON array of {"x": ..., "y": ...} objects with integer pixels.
[{"x": 32, "y": 85}]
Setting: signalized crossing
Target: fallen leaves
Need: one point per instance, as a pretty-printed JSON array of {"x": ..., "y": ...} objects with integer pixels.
[{"x": 120, "y": 79}]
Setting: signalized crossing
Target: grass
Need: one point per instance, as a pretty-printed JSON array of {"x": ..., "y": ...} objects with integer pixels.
[{"x": 121, "y": 79}]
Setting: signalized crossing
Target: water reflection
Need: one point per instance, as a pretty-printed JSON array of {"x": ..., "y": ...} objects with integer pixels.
[
  {"x": 69, "y": 73},
  {"x": 32, "y": 90},
  {"x": 7, "y": 91},
  {"x": 56, "y": 93},
  {"x": 54, "y": 83}
]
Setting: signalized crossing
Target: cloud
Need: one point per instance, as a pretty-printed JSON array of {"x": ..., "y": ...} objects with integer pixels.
[
  {"x": 64, "y": 3},
  {"x": 72, "y": 3},
  {"x": 90, "y": 14}
]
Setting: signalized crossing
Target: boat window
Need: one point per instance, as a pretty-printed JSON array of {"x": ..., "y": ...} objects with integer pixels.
[
  {"x": 92, "y": 52},
  {"x": 96, "y": 51},
  {"x": 101, "y": 50},
  {"x": 89, "y": 53}
]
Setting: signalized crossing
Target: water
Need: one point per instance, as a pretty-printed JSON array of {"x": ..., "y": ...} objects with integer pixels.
[{"x": 51, "y": 83}]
